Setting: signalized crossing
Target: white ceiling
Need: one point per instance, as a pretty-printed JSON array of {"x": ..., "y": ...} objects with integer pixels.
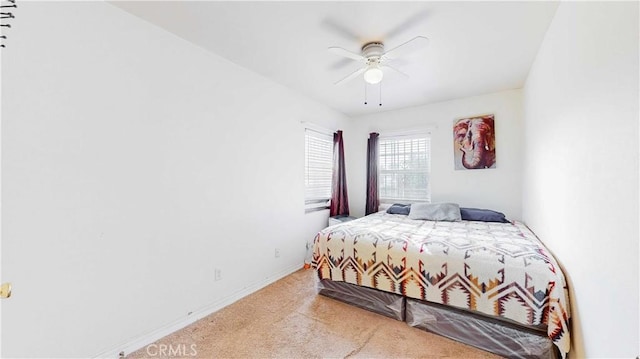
[{"x": 475, "y": 47}]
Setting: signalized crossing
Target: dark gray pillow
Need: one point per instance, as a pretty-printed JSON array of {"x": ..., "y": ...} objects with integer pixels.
[
  {"x": 483, "y": 215},
  {"x": 399, "y": 208},
  {"x": 435, "y": 211}
]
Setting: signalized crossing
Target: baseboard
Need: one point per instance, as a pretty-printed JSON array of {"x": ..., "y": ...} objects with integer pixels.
[{"x": 144, "y": 340}]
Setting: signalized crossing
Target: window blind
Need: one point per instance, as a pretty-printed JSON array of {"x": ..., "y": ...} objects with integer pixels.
[
  {"x": 404, "y": 167},
  {"x": 318, "y": 168}
]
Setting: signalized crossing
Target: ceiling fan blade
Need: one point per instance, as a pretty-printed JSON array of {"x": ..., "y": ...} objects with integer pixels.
[
  {"x": 408, "y": 47},
  {"x": 341, "y": 64},
  {"x": 404, "y": 75},
  {"x": 345, "y": 53},
  {"x": 408, "y": 24},
  {"x": 339, "y": 29},
  {"x": 351, "y": 76}
]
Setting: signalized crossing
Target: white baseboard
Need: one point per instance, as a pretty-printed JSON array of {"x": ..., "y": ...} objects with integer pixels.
[{"x": 144, "y": 340}]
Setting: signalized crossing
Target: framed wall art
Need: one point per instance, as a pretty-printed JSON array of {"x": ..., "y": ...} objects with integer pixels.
[{"x": 474, "y": 143}]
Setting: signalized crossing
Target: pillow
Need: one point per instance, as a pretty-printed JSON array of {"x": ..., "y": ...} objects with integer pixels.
[
  {"x": 435, "y": 211},
  {"x": 483, "y": 215},
  {"x": 398, "y": 208}
]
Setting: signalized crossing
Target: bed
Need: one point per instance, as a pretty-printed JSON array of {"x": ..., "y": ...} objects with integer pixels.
[{"x": 488, "y": 284}]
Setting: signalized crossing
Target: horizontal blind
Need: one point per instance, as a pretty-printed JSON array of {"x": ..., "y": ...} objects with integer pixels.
[
  {"x": 404, "y": 167},
  {"x": 318, "y": 166}
]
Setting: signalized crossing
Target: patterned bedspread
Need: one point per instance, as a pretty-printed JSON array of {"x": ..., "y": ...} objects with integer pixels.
[{"x": 499, "y": 269}]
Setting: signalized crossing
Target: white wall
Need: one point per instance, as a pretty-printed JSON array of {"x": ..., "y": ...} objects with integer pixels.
[
  {"x": 133, "y": 164},
  {"x": 580, "y": 192},
  {"x": 498, "y": 189}
]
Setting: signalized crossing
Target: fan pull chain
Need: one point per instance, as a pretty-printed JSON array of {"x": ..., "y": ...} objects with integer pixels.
[
  {"x": 6, "y": 16},
  {"x": 365, "y": 93},
  {"x": 380, "y": 96}
]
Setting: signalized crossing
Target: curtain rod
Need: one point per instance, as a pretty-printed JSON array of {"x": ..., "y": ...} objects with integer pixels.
[
  {"x": 316, "y": 127},
  {"x": 409, "y": 132}
]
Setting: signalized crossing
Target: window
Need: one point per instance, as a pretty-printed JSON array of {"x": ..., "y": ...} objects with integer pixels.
[
  {"x": 404, "y": 165},
  {"x": 318, "y": 166}
]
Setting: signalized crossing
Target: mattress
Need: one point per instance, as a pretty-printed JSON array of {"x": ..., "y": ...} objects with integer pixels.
[{"x": 496, "y": 269}]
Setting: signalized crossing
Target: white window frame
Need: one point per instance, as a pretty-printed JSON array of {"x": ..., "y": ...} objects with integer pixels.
[
  {"x": 414, "y": 135},
  {"x": 318, "y": 168}
]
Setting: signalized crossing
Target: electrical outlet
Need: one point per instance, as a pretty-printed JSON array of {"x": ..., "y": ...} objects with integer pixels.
[
  {"x": 217, "y": 274},
  {"x": 277, "y": 253}
]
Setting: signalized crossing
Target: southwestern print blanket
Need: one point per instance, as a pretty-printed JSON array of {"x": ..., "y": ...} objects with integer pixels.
[{"x": 499, "y": 269}]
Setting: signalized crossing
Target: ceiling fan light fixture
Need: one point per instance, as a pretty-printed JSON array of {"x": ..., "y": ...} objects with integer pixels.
[{"x": 373, "y": 75}]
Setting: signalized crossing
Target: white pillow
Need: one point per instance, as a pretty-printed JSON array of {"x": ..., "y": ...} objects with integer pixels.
[{"x": 435, "y": 211}]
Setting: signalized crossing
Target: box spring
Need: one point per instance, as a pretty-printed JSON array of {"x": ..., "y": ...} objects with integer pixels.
[
  {"x": 388, "y": 304},
  {"x": 491, "y": 334}
]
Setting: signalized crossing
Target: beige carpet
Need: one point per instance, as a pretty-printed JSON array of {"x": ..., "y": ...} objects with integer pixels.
[{"x": 287, "y": 319}]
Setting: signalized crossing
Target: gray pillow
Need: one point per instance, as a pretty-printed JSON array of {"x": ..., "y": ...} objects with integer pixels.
[
  {"x": 435, "y": 211},
  {"x": 398, "y": 208},
  {"x": 483, "y": 215}
]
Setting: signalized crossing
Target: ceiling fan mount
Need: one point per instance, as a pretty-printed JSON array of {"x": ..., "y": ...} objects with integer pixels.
[{"x": 372, "y": 49}]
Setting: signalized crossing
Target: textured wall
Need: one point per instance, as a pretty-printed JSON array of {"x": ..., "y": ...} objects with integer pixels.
[
  {"x": 498, "y": 189},
  {"x": 580, "y": 192},
  {"x": 133, "y": 164}
]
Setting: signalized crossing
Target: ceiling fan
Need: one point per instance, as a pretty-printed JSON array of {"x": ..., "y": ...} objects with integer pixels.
[{"x": 375, "y": 59}]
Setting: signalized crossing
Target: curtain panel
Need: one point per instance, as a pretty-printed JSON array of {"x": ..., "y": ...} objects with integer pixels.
[
  {"x": 372, "y": 174},
  {"x": 339, "y": 198}
]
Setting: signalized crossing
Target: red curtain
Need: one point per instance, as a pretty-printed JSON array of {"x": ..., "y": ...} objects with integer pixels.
[
  {"x": 339, "y": 198},
  {"x": 372, "y": 174}
]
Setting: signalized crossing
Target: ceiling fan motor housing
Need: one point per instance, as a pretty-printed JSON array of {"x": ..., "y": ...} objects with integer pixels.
[{"x": 373, "y": 51}]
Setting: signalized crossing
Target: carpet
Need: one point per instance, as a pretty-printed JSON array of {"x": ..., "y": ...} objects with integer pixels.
[{"x": 287, "y": 319}]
